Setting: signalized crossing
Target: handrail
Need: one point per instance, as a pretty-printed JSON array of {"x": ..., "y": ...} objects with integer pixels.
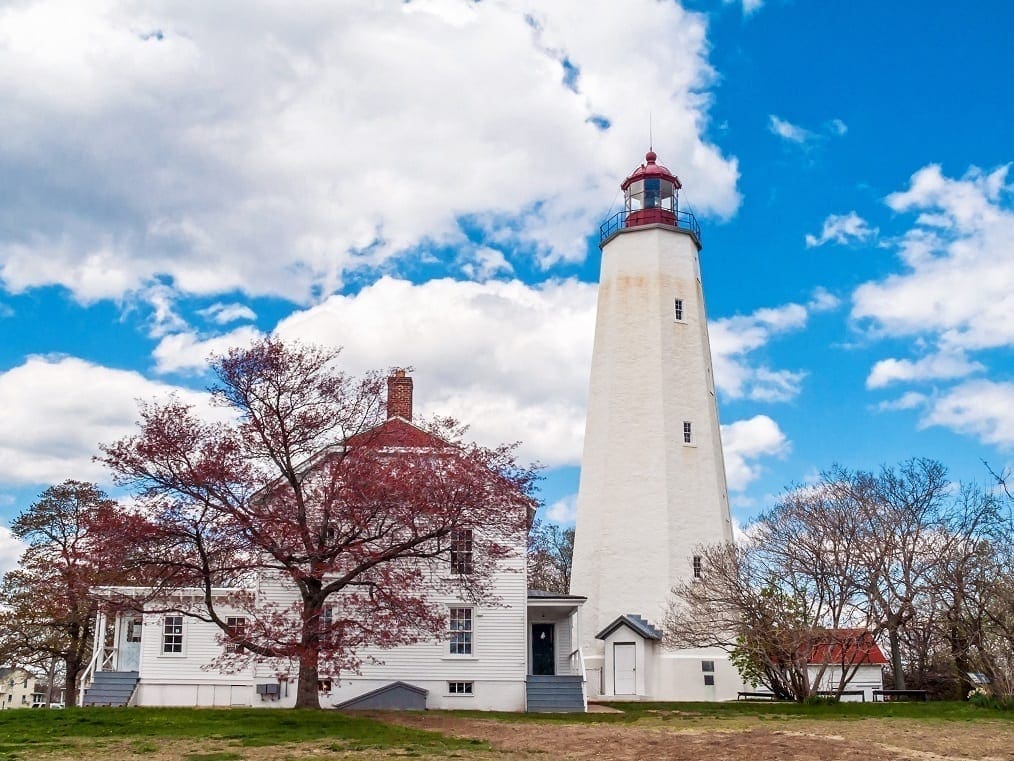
[
  {"x": 107, "y": 655},
  {"x": 581, "y": 671},
  {"x": 682, "y": 220},
  {"x": 87, "y": 675}
]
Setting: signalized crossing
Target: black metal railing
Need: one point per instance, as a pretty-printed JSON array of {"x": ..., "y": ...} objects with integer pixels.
[{"x": 684, "y": 220}]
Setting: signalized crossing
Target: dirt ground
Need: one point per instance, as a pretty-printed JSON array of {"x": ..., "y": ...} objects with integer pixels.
[
  {"x": 667, "y": 737},
  {"x": 688, "y": 738}
]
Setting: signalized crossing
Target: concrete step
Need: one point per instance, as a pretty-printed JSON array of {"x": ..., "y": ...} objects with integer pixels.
[
  {"x": 111, "y": 688},
  {"x": 554, "y": 694}
]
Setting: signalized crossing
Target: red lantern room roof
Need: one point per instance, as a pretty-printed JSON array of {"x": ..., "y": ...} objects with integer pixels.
[{"x": 651, "y": 169}]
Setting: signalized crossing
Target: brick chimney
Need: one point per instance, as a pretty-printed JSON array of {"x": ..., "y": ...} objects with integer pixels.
[{"x": 399, "y": 395}]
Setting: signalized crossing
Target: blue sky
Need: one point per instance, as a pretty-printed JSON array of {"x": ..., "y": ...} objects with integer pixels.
[{"x": 422, "y": 184}]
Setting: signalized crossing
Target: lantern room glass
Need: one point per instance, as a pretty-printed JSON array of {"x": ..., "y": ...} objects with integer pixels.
[{"x": 651, "y": 193}]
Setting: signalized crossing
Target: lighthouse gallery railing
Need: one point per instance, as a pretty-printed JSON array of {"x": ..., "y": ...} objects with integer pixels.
[{"x": 685, "y": 220}]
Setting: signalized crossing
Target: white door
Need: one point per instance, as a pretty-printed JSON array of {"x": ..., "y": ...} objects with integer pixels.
[
  {"x": 624, "y": 669},
  {"x": 128, "y": 656}
]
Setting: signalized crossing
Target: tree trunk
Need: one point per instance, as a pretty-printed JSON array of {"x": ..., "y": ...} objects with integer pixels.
[
  {"x": 899, "y": 672},
  {"x": 306, "y": 683},
  {"x": 72, "y": 668}
]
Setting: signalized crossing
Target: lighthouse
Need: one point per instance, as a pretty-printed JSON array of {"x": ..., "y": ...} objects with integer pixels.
[{"x": 653, "y": 482}]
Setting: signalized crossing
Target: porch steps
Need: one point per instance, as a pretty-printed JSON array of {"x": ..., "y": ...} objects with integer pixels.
[
  {"x": 111, "y": 688},
  {"x": 554, "y": 694}
]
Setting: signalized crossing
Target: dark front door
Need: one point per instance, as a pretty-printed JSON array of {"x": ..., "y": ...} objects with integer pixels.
[{"x": 543, "y": 651}]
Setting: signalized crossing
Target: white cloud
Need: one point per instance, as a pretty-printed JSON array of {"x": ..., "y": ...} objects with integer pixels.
[
  {"x": 510, "y": 359},
  {"x": 11, "y": 549},
  {"x": 54, "y": 412},
  {"x": 563, "y": 511},
  {"x": 749, "y": 6},
  {"x": 223, "y": 314},
  {"x": 822, "y": 300},
  {"x": 187, "y": 352},
  {"x": 271, "y": 152},
  {"x": 958, "y": 283},
  {"x": 737, "y": 374},
  {"x": 939, "y": 366},
  {"x": 788, "y": 131},
  {"x": 746, "y": 441},
  {"x": 842, "y": 229},
  {"x": 837, "y": 127},
  {"x": 910, "y": 400},
  {"x": 485, "y": 263},
  {"x": 805, "y": 138},
  {"x": 981, "y": 408},
  {"x": 954, "y": 297}
]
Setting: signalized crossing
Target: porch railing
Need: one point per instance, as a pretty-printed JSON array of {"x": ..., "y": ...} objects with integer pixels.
[
  {"x": 103, "y": 659},
  {"x": 577, "y": 667}
]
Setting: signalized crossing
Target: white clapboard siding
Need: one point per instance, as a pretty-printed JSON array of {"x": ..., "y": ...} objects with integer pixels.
[{"x": 200, "y": 649}]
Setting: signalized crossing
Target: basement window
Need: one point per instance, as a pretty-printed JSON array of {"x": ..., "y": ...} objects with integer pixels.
[{"x": 460, "y": 688}]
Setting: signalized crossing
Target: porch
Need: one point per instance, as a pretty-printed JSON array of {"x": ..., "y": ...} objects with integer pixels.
[{"x": 556, "y": 678}]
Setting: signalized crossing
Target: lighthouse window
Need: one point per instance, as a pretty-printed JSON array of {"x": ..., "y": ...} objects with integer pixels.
[
  {"x": 698, "y": 571},
  {"x": 688, "y": 432},
  {"x": 652, "y": 186},
  {"x": 679, "y": 310}
]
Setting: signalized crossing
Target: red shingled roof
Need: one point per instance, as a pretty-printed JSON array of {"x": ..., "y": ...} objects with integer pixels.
[
  {"x": 848, "y": 646},
  {"x": 396, "y": 432}
]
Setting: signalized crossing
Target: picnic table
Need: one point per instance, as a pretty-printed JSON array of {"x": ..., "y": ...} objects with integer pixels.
[{"x": 888, "y": 695}]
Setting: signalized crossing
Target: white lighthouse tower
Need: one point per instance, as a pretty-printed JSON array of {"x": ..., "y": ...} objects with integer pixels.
[{"x": 652, "y": 475}]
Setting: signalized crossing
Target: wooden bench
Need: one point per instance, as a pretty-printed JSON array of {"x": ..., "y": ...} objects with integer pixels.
[
  {"x": 755, "y": 696},
  {"x": 834, "y": 693},
  {"x": 889, "y": 695}
]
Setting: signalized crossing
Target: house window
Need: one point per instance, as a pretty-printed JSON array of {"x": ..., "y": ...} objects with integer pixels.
[
  {"x": 709, "y": 680},
  {"x": 459, "y": 688},
  {"x": 460, "y": 631},
  {"x": 134, "y": 625},
  {"x": 324, "y": 685},
  {"x": 678, "y": 310},
  {"x": 698, "y": 573},
  {"x": 461, "y": 550},
  {"x": 688, "y": 432},
  {"x": 235, "y": 629},
  {"x": 172, "y": 634},
  {"x": 326, "y": 620},
  {"x": 707, "y": 666}
]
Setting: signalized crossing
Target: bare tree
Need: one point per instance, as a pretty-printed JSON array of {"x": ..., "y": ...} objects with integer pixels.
[
  {"x": 550, "y": 557},
  {"x": 786, "y": 604}
]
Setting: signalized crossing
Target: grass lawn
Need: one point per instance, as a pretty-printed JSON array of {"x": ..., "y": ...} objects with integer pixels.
[
  {"x": 751, "y": 731},
  {"x": 25, "y": 734},
  {"x": 638, "y": 711}
]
